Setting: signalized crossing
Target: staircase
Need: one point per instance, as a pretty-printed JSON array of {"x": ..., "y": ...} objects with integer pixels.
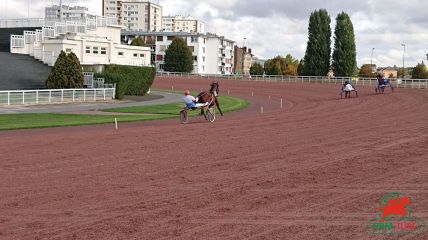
[
  {"x": 5, "y": 36},
  {"x": 22, "y": 72}
]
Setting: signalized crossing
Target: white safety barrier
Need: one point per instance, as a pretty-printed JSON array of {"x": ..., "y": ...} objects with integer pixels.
[{"x": 52, "y": 96}]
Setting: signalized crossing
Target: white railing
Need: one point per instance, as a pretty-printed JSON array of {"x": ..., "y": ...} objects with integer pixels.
[
  {"x": 17, "y": 41},
  {"x": 30, "y": 37},
  {"x": 34, "y": 97},
  {"x": 48, "y": 32},
  {"x": 39, "y": 35},
  {"x": 88, "y": 79},
  {"x": 60, "y": 28},
  {"x": 41, "y": 22},
  {"x": 21, "y": 23},
  {"x": 404, "y": 83}
]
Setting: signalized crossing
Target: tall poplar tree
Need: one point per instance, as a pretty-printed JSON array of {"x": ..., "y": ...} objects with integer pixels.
[
  {"x": 344, "y": 54},
  {"x": 318, "y": 50}
]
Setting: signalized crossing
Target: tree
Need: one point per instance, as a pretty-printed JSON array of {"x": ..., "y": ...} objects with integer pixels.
[
  {"x": 178, "y": 57},
  {"x": 367, "y": 71},
  {"x": 138, "y": 41},
  {"x": 300, "y": 68},
  {"x": 273, "y": 66},
  {"x": 75, "y": 74},
  {"x": 282, "y": 66},
  {"x": 318, "y": 50},
  {"x": 66, "y": 73},
  {"x": 344, "y": 54},
  {"x": 420, "y": 71},
  {"x": 256, "y": 69},
  {"x": 291, "y": 65},
  {"x": 58, "y": 77}
]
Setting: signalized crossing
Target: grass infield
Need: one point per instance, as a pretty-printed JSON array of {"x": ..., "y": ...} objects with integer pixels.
[{"x": 145, "y": 113}]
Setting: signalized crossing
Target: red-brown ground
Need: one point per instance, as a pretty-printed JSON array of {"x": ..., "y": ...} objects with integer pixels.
[{"x": 315, "y": 169}]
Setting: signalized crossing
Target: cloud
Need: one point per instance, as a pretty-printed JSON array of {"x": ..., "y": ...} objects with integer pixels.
[{"x": 275, "y": 27}]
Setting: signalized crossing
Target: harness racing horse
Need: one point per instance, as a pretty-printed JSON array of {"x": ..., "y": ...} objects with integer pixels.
[
  {"x": 210, "y": 97},
  {"x": 382, "y": 84}
]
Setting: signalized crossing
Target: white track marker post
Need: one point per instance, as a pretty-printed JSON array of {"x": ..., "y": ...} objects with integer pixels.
[
  {"x": 261, "y": 109},
  {"x": 269, "y": 98},
  {"x": 115, "y": 123},
  {"x": 228, "y": 92},
  {"x": 252, "y": 94},
  {"x": 281, "y": 102},
  {"x": 172, "y": 87}
]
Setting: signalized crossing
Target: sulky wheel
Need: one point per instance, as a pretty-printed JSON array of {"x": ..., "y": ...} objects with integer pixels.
[
  {"x": 184, "y": 116},
  {"x": 211, "y": 114}
]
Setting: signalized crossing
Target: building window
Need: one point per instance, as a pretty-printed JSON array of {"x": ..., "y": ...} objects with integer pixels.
[
  {"x": 103, "y": 51},
  {"x": 170, "y": 38},
  {"x": 135, "y": 54},
  {"x": 88, "y": 49},
  {"x": 68, "y": 50},
  {"x": 195, "y": 58},
  {"x": 95, "y": 50},
  {"x": 120, "y": 54},
  {"x": 192, "y": 48},
  {"x": 159, "y": 57},
  {"x": 159, "y": 38},
  {"x": 141, "y": 55}
]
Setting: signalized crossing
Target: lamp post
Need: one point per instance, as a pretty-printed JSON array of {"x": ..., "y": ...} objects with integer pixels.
[
  {"x": 243, "y": 43},
  {"x": 404, "y": 52},
  {"x": 371, "y": 60}
]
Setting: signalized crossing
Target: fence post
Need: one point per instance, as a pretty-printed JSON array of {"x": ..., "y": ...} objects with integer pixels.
[
  {"x": 95, "y": 94},
  {"x": 73, "y": 94},
  {"x": 104, "y": 94},
  {"x": 62, "y": 95},
  {"x": 84, "y": 95},
  {"x": 8, "y": 98},
  {"x": 37, "y": 97},
  {"x": 23, "y": 98},
  {"x": 50, "y": 96}
]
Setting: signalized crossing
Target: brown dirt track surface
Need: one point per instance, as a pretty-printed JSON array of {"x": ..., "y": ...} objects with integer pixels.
[{"x": 315, "y": 169}]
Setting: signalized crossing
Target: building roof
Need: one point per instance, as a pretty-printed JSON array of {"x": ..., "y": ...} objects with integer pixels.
[{"x": 183, "y": 34}]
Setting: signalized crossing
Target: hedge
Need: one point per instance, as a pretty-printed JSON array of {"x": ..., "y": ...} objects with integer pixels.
[{"x": 130, "y": 80}]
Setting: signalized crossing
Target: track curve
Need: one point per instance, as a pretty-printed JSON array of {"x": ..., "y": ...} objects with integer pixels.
[{"x": 314, "y": 169}]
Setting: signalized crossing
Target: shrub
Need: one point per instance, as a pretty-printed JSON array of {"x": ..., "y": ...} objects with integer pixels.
[
  {"x": 129, "y": 80},
  {"x": 66, "y": 73}
]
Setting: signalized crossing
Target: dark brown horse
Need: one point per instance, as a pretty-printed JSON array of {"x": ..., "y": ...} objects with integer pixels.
[{"x": 211, "y": 97}]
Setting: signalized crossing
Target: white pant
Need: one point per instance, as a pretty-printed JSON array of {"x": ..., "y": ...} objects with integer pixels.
[{"x": 198, "y": 105}]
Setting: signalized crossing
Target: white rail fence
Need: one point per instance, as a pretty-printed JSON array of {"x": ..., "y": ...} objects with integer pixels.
[
  {"x": 55, "y": 96},
  {"x": 402, "y": 83},
  {"x": 40, "y": 22}
]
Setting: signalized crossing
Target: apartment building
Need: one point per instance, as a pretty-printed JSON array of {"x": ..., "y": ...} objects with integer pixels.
[
  {"x": 211, "y": 54},
  {"x": 68, "y": 13},
  {"x": 94, "y": 45},
  {"x": 243, "y": 60},
  {"x": 135, "y": 15},
  {"x": 220, "y": 52},
  {"x": 182, "y": 24}
]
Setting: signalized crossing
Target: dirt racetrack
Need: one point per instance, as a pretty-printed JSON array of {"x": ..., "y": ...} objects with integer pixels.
[{"x": 314, "y": 169}]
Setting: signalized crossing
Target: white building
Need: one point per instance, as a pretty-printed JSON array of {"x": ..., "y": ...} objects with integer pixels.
[
  {"x": 69, "y": 13},
  {"x": 182, "y": 24},
  {"x": 211, "y": 54},
  {"x": 94, "y": 43},
  {"x": 135, "y": 15},
  {"x": 221, "y": 55}
]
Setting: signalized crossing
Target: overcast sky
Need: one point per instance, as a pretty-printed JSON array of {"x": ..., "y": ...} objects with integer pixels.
[{"x": 275, "y": 27}]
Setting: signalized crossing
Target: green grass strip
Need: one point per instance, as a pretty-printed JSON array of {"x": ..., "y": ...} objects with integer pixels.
[{"x": 47, "y": 120}]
